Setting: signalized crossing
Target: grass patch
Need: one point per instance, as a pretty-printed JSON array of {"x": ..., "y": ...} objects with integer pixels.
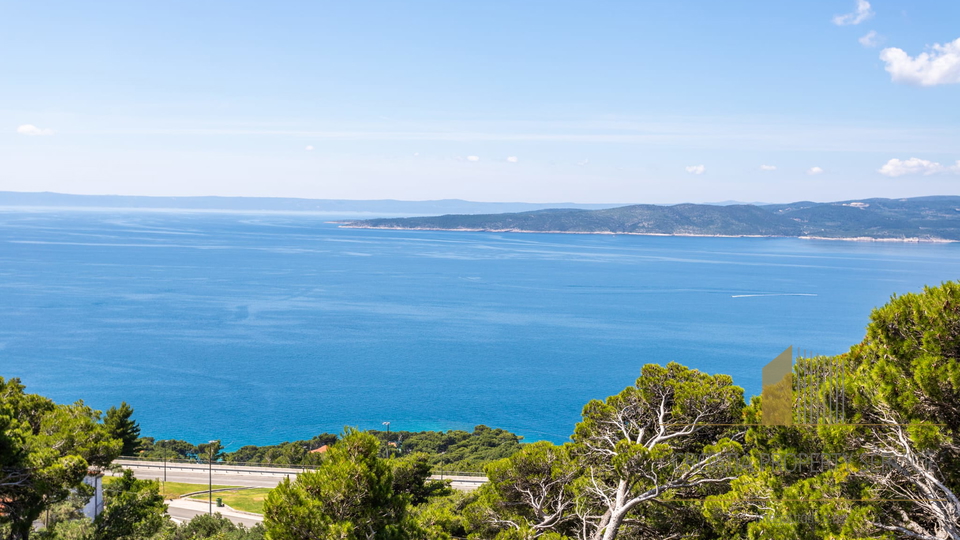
[
  {"x": 173, "y": 490},
  {"x": 246, "y": 500}
]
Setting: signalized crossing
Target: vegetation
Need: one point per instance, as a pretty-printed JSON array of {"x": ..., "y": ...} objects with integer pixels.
[
  {"x": 678, "y": 454},
  {"x": 287, "y": 453},
  {"x": 922, "y": 217},
  {"x": 453, "y": 450},
  {"x": 410, "y": 475},
  {"x": 628, "y": 461},
  {"x": 350, "y": 496},
  {"x": 120, "y": 424},
  {"x": 134, "y": 510},
  {"x": 166, "y": 449},
  {"x": 887, "y": 469},
  {"x": 212, "y": 527},
  {"x": 46, "y": 450}
]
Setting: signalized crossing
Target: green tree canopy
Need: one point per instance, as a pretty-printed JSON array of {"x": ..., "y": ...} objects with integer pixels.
[
  {"x": 134, "y": 509},
  {"x": 658, "y": 439},
  {"x": 531, "y": 491},
  {"x": 120, "y": 425},
  {"x": 211, "y": 451},
  {"x": 349, "y": 496},
  {"x": 210, "y": 527},
  {"x": 411, "y": 476},
  {"x": 908, "y": 390},
  {"x": 891, "y": 466},
  {"x": 46, "y": 450},
  {"x": 911, "y": 355}
]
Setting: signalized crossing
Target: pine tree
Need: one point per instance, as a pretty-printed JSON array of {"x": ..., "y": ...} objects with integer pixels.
[{"x": 121, "y": 426}]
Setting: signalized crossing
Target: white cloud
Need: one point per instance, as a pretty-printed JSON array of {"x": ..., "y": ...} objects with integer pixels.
[
  {"x": 32, "y": 130},
  {"x": 871, "y": 39},
  {"x": 768, "y": 167},
  {"x": 916, "y": 166},
  {"x": 941, "y": 65},
  {"x": 814, "y": 170},
  {"x": 696, "y": 169},
  {"x": 583, "y": 163},
  {"x": 862, "y": 13},
  {"x": 513, "y": 159},
  {"x": 309, "y": 148},
  {"x": 473, "y": 158}
]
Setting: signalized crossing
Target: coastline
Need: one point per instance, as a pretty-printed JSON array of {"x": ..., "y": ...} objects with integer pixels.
[{"x": 913, "y": 240}]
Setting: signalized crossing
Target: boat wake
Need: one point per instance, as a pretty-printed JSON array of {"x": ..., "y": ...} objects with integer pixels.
[{"x": 771, "y": 294}]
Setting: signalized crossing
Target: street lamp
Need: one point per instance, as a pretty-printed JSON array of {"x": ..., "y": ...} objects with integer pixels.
[
  {"x": 163, "y": 485},
  {"x": 210, "y": 476}
]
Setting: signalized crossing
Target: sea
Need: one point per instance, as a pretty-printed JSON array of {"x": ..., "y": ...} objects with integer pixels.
[{"x": 261, "y": 328}]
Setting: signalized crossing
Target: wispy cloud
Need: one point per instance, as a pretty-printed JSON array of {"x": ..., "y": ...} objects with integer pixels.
[
  {"x": 473, "y": 158},
  {"x": 33, "y": 131},
  {"x": 309, "y": 148},
  {"x": 768, "y": 167},
  {"x": 916, "y": 166},
  {"x": 513, "y": 159},
  {"x": 941, "y": 65},
  {"x": 695, "y": 169},
  {"x": 763, "y": 133},
  {"x": 862, "y": 13},
  {"x": 814, "y": 171},
  {"x": 871, "y": 39}
]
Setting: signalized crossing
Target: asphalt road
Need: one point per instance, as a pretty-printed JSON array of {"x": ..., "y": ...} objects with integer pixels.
[
  {"x": 182, "y": 510},
  {"x": 234, "y": 475},
  {"x": 200, "y": 475},
  {"x": 246, "y": 476}
]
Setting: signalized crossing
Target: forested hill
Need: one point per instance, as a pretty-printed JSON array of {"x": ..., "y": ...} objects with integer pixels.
[{"x": 922, "y": 218}]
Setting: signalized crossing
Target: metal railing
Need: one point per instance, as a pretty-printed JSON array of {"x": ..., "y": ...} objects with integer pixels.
[
  {"x": 444, "y": 472},
  {"x": 202, "y": 461}
]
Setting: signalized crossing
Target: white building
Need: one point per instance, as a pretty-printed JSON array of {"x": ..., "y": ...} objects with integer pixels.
[{"x": 94, "y": 506}]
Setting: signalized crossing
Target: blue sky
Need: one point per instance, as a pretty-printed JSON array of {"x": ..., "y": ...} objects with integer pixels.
[{"x": 540, "y": 101}]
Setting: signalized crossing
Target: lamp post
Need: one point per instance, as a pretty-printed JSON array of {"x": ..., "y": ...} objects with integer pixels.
[
  {"x": 210, "y": 477},
  {"x": 163, "y": 486}
]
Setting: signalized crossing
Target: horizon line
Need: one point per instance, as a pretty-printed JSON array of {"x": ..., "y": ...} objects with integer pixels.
[{"x": 730, "y": 202}]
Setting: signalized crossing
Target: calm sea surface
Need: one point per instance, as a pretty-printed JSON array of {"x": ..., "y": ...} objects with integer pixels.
[{"x": 263, "y": 328}]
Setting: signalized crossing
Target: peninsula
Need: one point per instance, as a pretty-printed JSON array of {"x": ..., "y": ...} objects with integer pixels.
[{"x": 920, "y": 219}]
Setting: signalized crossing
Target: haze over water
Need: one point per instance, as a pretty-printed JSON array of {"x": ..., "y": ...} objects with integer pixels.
[{"x": 256, "y": 329}]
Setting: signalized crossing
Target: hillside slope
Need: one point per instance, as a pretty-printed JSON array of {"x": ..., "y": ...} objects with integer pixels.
[{"x": 924, "y": 218}]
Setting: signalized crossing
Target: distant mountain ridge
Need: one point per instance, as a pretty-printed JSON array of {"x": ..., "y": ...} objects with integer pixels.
[
  {"x": 934, "y": 218},
  {"x": 275, "y": 204}
]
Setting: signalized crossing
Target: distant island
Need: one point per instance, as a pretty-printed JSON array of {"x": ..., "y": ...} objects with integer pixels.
[{"x": 919, "y": 219}]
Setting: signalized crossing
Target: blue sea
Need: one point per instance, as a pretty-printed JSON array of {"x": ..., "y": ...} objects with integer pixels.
[{"x": 260, "y": 328}]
